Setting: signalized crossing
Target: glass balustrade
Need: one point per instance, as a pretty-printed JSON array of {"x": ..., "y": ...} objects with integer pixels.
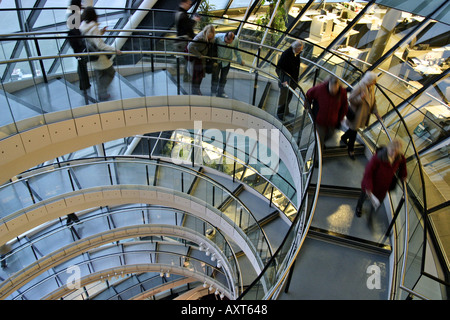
[
  {"x": 126, "y": 290},
  {"x": 45, "y": 283},
  {"x": 134, "y": 173},
  {"x": 57, "y": 235},
  {"x": 240, "y": 164}
]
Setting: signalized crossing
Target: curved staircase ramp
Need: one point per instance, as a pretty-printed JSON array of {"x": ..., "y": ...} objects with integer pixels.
[
  {"x": 124, "y": 172},
  {"x": 100, "y": 252}
]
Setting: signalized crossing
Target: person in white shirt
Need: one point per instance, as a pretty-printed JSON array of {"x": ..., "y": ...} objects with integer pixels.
[{"x": 103, "y": 66}]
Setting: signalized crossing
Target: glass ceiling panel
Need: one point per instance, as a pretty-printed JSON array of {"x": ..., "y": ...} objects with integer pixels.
[
  {"x": 111, "y": 3},
  {"x": 444, "y": 14},
  {"x": 9, "y": 22},
  {"x": 51, "y": 17},
  {"x": 221, "y": 4},
  {"x": 420, "y": 7},
  {"x": 240, "y": 3}
]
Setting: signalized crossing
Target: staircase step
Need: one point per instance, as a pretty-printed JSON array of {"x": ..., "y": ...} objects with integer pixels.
[
  {"x": 336, "y": 214},
  {"x": 347, "y": 240}
]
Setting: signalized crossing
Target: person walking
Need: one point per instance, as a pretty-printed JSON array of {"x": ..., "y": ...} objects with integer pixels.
[
  {"x": 199, "y": 48},
  {"x": 184, "y": 23},
  {"x": 288, "y": 71},
  {"x": 103, "y": 66},
  {"x": 362, "y": 103},
  {"x": 227, "y": 44},
  {"x": 77, "y": 44},
  {"x": 185, "y": 30},
  {"x": 330, "y": 105},
  {"x": 379, "y": 174}
]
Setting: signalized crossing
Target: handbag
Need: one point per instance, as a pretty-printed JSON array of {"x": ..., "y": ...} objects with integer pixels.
[
  {"x": 209, "y": 62},
  {"x": 209, "y": 65},
  {"x": 91, "y": 47}
]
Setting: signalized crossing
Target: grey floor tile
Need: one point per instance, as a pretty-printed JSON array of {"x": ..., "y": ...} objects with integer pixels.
[{"x": 327, "y": 271}]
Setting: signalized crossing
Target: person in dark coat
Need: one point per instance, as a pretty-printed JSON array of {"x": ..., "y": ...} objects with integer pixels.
[
  {"x": 330, "y": 105},
  {"x": 379, "y": 174},
  {"x": 185, "y": 30},
  {"x": 77, "y": 44},
  {"x": 288, "y": 71},
  {"x": 184, "y": 24}
]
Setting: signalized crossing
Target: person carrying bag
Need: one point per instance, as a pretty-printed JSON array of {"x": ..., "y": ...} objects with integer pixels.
[
  {"x": 102, "y": 65},
  {"x": 362, "y": 104}
]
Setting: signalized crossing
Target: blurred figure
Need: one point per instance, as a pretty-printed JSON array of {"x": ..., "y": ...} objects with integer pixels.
[
  {"x": 72, "y": 218},
  {"x": 288, "y": 71},
  {"x": 228, "y": 43},
  {"x": 184, "y": 24},
  {"x": 379, "y": 174},
  {"x": 103, "y": 66},
  {"x": 200, "y": 47},
  {"x": 77, "y": 44},
  {"x": 185, "y": 30},
  {"x": 330, "y": 105},
  {"x": 362, "y": 104}
]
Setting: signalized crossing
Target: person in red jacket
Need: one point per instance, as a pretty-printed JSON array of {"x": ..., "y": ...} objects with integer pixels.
[
  {"x": 379, "y": 174},
  {"x": 330, "y": 105}
]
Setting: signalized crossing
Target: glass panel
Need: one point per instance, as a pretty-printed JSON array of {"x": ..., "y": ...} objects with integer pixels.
[
  {"x": 439, "y": 221},
  {"x": 419, "y": 7},
  {"x": 9, "y": 22},
  {"x": 14, "y": 197},
  {"x": 435, "y": 166},
  {"x": 51, "y": 17},
  {"x": 110, "y": 3},
  {"x": 221, "y": 4},
  {"x": 443, "y": 15}
]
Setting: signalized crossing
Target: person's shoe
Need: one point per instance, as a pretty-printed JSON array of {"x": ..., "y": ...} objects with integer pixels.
[
  {"x": 351, "y": 154},
  {"x": 222, "y": 95},
  {"x": 358, "y": 212}
]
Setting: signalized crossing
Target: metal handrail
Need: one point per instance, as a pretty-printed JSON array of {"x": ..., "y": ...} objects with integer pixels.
[
  {"x": 236, "y": 160},
  {"x": 145, "y": 252},
  {"x": 68, "y": 164},
  {"x": 308, "y": 223}
]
